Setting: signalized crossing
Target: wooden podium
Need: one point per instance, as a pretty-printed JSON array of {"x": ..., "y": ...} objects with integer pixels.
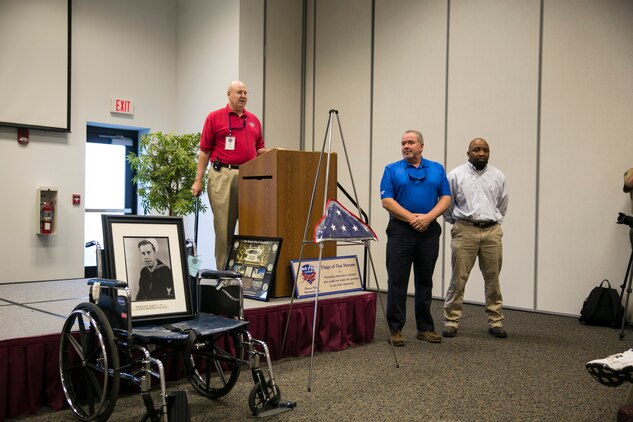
[{"x": 274, "y": 200}]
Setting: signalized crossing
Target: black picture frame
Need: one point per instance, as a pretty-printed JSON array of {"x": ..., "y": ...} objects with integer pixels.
[
  {"x": 128, "y": 243},
  {"x": 255, "y": 257}
]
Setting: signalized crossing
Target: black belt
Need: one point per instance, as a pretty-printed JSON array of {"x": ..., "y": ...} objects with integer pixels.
[
  {"x": 230, "y": 166},
  {"x": 217, "y": 165},
  {"x": 480, "y": 224}
]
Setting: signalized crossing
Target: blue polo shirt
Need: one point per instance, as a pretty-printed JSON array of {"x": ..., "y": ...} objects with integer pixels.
[{"x": 417, "y": 189}]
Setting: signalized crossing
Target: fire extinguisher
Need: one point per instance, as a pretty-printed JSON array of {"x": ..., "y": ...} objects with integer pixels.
[{"x": 46, "y": 217}]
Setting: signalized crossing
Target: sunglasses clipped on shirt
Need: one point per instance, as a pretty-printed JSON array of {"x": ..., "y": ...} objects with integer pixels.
[{"x": 414, "y": 178}]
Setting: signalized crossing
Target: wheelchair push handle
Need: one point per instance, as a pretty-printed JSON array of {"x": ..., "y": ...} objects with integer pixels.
[
  {"x": 216, "y": 274},
  {"x": 118, "y": 284}
]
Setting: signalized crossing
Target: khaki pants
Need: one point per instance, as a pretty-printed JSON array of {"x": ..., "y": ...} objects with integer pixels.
[
  {"x": 468, "y": 243},
  {"x": 222, "y": 188}
]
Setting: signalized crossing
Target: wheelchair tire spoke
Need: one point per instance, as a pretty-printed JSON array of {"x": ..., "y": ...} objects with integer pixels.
[
  {"x": 76, "y": 346},
  {"x": 208, "y": 373},
  {"x": 220, "y": 371}
]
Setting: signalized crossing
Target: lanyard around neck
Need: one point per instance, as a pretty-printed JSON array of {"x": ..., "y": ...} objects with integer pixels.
[{"x": 242, "y": 118}]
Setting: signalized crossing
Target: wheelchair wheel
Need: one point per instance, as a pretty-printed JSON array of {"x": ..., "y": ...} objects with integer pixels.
[
  {"x": 89, "y": 363},
  {"x": 260, "y": 397},
  {"x": 213, "y": 367}
]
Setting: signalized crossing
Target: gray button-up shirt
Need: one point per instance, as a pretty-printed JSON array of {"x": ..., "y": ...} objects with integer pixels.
[{"x": 478, "y": 196}]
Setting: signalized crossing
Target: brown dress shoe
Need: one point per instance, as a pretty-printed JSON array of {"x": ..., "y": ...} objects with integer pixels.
[
  {"x": 397, "y": 339},
  {"x": 449, "y": 331},
  {"x": 430, "y": 336},
  {"x": 498, "y": 332}
]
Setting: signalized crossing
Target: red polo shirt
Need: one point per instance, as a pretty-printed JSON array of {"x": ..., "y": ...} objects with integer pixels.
[{"x": 247, "y": 131}]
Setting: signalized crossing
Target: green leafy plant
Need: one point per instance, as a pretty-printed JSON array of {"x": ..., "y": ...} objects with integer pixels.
[{"x": 165, "y": 170}]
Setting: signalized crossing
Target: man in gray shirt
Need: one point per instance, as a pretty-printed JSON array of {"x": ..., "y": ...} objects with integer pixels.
[{"x": 479, "y": 200}]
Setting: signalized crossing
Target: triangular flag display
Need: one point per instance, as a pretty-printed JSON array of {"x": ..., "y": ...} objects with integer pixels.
[{"x": 340, "y": 224}]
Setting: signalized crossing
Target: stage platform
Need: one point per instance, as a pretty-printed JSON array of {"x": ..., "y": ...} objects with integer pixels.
[{"x": 33, "y": 314}]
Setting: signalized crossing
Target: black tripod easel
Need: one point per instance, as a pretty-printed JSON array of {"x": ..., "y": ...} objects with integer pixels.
[{"x": 628, "y": 278}]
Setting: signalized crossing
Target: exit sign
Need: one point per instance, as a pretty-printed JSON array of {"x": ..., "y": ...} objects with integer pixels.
[{"x": 121, "y": 106}]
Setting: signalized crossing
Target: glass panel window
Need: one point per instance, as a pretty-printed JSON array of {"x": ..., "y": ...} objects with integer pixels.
[{"x": 109, "y": 188}]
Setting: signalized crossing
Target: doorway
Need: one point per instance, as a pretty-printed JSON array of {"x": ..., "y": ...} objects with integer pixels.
[{"x": 108, "y": 177}]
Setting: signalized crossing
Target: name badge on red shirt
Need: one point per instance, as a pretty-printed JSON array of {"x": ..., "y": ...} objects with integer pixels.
[{"x": 229, "y": 143}]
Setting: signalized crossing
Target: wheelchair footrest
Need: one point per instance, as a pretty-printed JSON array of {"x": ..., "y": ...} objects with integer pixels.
[{"x": 270, "y": 410}]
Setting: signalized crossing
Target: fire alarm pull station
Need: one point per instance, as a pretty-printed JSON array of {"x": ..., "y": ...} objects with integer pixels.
[{"x": 23, "y": 136}]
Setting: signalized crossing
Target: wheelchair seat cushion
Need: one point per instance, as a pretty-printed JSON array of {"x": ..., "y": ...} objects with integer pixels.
[{"x": 203, "y": 324}]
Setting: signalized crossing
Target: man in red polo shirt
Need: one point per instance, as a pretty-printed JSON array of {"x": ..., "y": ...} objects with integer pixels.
[{"x": 230, "y": 137}]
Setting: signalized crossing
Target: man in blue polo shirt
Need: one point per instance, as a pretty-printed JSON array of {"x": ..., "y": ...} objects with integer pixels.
[{"x": 415, "y": 192}]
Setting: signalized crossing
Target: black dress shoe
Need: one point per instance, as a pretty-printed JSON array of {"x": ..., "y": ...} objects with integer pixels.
[
  {"x": 498, "y": 332},
  {"x": 449, "y": 331}
]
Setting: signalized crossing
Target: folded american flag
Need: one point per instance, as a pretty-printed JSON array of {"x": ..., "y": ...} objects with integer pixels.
[{"x": 340, "y": 224}]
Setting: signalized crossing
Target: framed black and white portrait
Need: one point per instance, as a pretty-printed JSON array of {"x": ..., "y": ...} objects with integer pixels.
[{"x": 148, "y": 253}]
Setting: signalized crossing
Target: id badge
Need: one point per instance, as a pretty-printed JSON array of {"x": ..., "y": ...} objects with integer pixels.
[{"x": 229, "y": 143}]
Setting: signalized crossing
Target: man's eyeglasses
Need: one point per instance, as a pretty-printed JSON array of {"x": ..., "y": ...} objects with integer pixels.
[{"x": 419, "y": 177}]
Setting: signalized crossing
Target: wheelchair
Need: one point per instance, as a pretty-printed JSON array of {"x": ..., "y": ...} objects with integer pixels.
[{"x": 100, "y": 348}]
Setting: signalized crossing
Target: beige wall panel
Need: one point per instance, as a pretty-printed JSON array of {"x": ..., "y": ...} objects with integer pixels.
[
  {"x": 251, "y": 55},
  {"x": 202, "y": 82},
  {"x": 409, "y": 86},
  {"x": 309, "y": 77},
  {"x": 586, "y": 141},
  {"x": 493, "y": 93},
  {"x": 283, "y": 74},
  {"x": 342, "y": 72}
]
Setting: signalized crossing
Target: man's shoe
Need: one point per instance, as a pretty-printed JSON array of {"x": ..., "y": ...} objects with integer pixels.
[
  {"x": 616, "y": 362},
  {"x": 612, "y": 370},
  {"x": 449, "y": 331},
  {"x": 498, "y": 332},
  {"x": 430, "y": 336},
  {"x": 397, "y": 339}
]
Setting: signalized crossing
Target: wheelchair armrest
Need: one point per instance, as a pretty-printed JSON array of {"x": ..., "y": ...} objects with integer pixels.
[
  {"x": 117, "y": 284},
  {"x": 216, "y": 274}
]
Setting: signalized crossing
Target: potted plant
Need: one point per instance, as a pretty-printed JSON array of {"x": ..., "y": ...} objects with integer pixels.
[{"x": 165, "y": 169}]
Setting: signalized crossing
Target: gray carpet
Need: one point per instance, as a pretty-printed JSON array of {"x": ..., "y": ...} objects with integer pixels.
[{"x": 536, "y": 374}]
